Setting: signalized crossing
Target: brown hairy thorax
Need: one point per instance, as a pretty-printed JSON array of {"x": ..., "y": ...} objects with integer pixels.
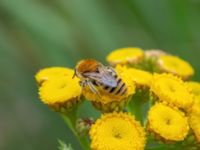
[{"x": 87, "y": 65}]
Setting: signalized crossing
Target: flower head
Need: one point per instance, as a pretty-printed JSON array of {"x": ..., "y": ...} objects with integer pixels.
[
  {"x": 51, "y": 73},
  {"x": 194, "y": 121},
  {"x": 194, "y": 87},
  {"x": 117, "y": 131},
  {"x": 130, "y": 55},
  {"x": 60, "y": 93},
  {"x": 172, "y": 90},
  {"x": 140, "y": 77},
  {"x": 170, "y": 124},
  {"x": 175, "y": 65}
]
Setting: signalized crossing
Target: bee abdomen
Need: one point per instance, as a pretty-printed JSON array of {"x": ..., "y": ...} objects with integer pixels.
[{"x": 120, "y": 89}]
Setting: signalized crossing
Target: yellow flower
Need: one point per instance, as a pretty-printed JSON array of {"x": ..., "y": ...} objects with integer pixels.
[
  {"x": 175, "y": 65},
  {"x": 194, "y": 87},
  {"x": 170, "y": 124},
  {"x": 194, "y": 121},
  {"x": 172, "y": 90},
  {"x": 60, "y": 93},
  {"x": 106, "y": 101},
  {"x": 117, "y": 131},
  {"x": 130, "y": 55},
  {"x": 51, "y": 73},
  {"x": 140, "y": 77}
]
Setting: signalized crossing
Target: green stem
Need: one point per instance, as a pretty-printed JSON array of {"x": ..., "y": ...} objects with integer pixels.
[
  {"x": 135, "y": 108},
  {"x": 70, "y": 119},
  {"x": 139, "y": 105}
]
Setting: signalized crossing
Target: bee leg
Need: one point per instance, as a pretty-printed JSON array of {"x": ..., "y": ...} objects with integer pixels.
[
  {"x": 111, "y": 70},
  {"x": 82, "y": 83},
  {"x": 93, "y": 88}
]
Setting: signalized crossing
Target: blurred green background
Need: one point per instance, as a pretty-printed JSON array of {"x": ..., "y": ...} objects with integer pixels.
[{"x": 41, "y": 33}]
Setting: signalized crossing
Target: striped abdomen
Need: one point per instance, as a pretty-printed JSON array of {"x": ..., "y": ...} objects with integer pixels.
[{"x": 120, "y": 89}]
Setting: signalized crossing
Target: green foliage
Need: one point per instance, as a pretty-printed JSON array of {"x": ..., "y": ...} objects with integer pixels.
[{"x": 64, "y": 146}]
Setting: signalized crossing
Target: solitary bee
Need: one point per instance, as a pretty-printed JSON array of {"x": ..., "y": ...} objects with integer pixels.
[{"x": 94, "y": 74}]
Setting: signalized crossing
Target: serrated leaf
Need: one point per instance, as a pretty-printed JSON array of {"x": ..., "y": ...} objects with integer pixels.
[{"x": 64, "y": 146}]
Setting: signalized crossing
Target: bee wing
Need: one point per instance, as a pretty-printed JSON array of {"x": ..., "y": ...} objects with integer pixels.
[
  {"x": 107, "y": 78},
  {"x": 103, "y": 76}
]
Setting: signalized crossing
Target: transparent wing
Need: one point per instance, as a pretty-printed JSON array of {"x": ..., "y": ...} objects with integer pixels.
[{"x": 103, "y": 76}]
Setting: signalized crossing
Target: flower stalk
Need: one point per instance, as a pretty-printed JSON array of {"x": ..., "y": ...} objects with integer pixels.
[{"x": 70, "y": 118}]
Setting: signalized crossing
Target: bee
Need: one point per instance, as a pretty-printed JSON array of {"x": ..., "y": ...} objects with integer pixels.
[{"x": 94, "y": 74}]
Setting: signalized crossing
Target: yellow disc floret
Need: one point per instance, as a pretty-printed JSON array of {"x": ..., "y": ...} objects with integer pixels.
[
  {"x": 61, "y": 92},
  {"x": 117, "y": 131},
  {"x": 130, "y": 55},
  {"x": 140, "y": 77},
  {"x": 172, "y": 90},
  {"x": 176, "y": 65},
  {"x": 194, "y": 121},
  {"x": 170, "y": 124},
  {"x": 51, "y": 73}
]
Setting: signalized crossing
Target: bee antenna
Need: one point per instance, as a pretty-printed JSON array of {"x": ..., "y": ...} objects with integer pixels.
[{"x": 74, "y": 73}]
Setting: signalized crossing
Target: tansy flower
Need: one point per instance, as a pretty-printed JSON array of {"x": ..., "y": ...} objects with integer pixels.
[
  {"x": 194, "y": 87},
  {"x": 170, "y": 124},
  {"x": 106, "y": 101},
  {"x": 175, "y": 65},
  {"x": 195, "y": 90},
  {"x": 60, "y": 93},
  {"x": 130, "y": 55},
  {"x": 194, "y": 121},
  {"x": 171, "y": 90},
  {"x": 140, "y": 77},
  {"x": 51, "y": 73},
  {"x": 117, "y": 131}
]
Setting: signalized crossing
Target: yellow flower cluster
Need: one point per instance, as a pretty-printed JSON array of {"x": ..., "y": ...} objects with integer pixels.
[
  {"x": 117, "y": 131},
  {"x": 175, "y": 103},
  {"x": 194, "y": 115}
]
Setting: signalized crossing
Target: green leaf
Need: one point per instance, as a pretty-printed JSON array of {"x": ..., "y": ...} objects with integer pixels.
[{"x": 64, "y": 146}]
